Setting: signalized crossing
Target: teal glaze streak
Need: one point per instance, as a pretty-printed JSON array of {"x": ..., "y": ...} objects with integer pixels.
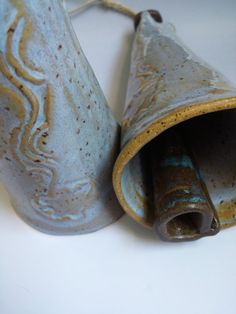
[
  {"x": 180, "y": 161},
  {"x": 193, "y": 199}
]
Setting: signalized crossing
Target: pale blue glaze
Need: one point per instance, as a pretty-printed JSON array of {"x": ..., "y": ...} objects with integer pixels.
[
  {"x": 181, "y": 161},
  {"x": 61, "y": 182}
]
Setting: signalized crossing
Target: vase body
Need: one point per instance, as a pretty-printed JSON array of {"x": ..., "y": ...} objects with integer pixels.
[
  {"x": 169, "y": 86},
  {"x": 58, "y": 138}
]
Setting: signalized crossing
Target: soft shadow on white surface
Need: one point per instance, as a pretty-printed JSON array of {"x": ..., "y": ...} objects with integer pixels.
[
  {"x": 120, "y": 269},
  {"x": 124, "y": 268}
]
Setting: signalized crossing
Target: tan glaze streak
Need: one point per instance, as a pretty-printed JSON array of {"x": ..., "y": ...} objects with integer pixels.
[
  {"x": 53, "y": 194},
  {"x": 217, "y": 91},
  {"x": 226, "y": 212},
  {"x": 17, "y": 104},
  {"x": 149, "y": 98},
  {"x": 12, "y": 60},
  {"x": 54, "y": 178},
  {"x": 48, "y": 106},
  {"x": 51, "y": 189},
  {"x": 72, "y": 103},
  {"x": 70, "y": 100},
  {"x": 2, "y": 127},
  {"x": 27, "y": 33},
  {"x": 33, "y": 116},
  {"x": 26, "y": 145},
  {"x": 27, "y": 93},
  {"x": 26, "y": 149},
  {"x": 45, "y": 127},
  {"x": 140, "y": 199},
  {"x": 134, "y": 145}
]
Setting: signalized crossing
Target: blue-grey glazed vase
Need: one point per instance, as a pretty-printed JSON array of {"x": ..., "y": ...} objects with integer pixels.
[
  {"x": 169, "y": 86},
  {"x": 58, "y": 138}
]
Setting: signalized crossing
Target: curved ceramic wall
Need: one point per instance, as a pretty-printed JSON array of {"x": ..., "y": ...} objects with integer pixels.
[
  {"x": 58, "y": 139},
  {"x": 169, "y": 84}
]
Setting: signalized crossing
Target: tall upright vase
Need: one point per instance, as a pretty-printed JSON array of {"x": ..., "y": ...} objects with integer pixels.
[{"x": 58, "y": 138}]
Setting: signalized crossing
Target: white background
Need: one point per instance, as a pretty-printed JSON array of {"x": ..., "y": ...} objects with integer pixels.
[{"x": 124, "y": 269}]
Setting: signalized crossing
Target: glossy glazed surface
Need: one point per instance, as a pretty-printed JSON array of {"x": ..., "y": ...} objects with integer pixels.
[
  {"x": 168, "y": 84},
  {"x": 58, "y": 138},
  {"x": 60, "y": 274}
]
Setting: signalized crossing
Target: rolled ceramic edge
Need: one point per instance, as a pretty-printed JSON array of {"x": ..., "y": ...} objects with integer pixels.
[{"x": 155, "y": 129}]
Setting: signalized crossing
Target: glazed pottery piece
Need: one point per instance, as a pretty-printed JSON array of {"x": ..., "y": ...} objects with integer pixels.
[
  {"x": 171, "y": 90},
  {"x": 181, "y": 202},
  {"x": 58, "y": 139}
]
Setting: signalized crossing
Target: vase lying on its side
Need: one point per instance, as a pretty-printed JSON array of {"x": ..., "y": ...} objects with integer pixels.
[{"x": 170, "y": 88}]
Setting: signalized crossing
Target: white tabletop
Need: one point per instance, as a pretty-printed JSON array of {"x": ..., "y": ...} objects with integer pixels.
[{"x": 124, "y": 269}]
